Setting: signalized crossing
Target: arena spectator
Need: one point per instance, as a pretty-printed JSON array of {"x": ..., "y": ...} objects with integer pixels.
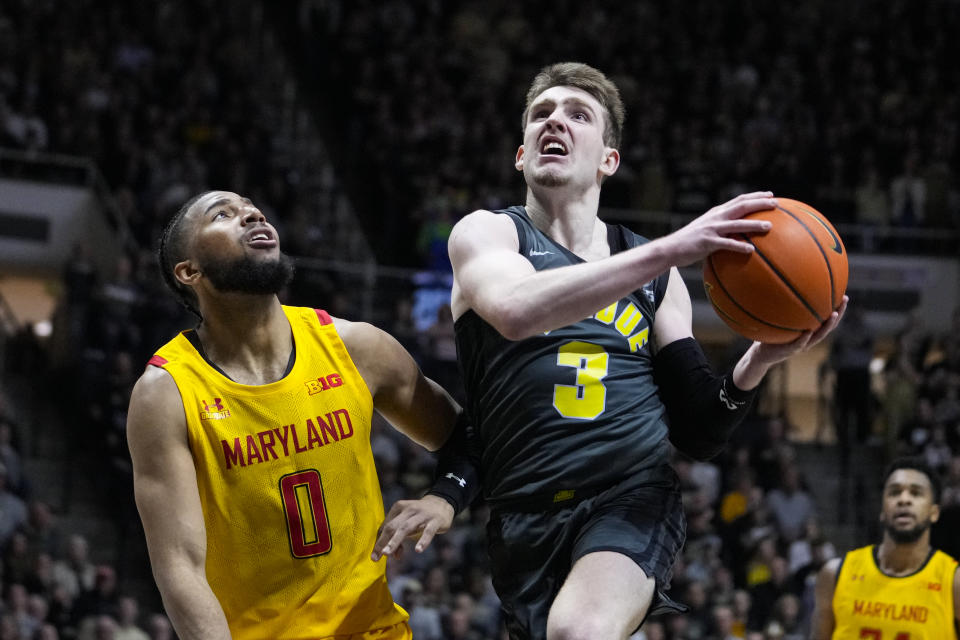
[
  {"x": 74, "y": 572},
  {"x": 128, "y": 611},
  {"x": 791, "y": 505}
]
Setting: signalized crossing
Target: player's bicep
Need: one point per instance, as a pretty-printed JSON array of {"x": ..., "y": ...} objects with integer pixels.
[
  {"x": 415, "y": 405},
  {"x": 487, "y": 267},
  {"x": 164, "y": 476},
  {"x": 674, "y": 318}
]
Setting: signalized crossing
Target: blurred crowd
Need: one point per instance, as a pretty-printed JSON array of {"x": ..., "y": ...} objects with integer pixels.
[
  {"x": 169, "y": 98},
  {"x": 51, "y": 586},
  {"x": 849, "y": 107}
]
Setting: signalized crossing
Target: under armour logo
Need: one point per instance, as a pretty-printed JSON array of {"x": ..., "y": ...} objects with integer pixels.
[
  {"x": 210, "y": 407},
  {"x": 459, "y": 480},
  {"x": 540, "y": 253},
  {"x": 727, "y": 401}
]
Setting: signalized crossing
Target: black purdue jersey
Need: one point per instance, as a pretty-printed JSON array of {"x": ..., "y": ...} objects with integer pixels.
[{"x": 573, "y": 408}]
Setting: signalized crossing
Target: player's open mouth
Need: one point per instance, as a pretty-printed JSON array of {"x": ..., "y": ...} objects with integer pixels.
[
  {"x": 261, "y": 239},
  {"x": 551, "y": 147}
]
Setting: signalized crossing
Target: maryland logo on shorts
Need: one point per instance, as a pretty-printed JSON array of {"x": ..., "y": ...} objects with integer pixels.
[{"x": 213, "y": 410}]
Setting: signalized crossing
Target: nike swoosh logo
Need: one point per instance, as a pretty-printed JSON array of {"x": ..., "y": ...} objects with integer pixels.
[
  {"x": 836, "y": 248},
  {"x": 540, "y": 253}
]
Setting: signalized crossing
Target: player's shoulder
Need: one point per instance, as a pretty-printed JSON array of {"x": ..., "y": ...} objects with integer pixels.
[
  {"x": 354, "y": 333},
  {"x": 485, "y": 227},
  {"x": 154, "y": 384},
  {"x": 830, "y": 570},
  {"x": 156, "y": 406},
  {"x": 366, "y": 343},
  {"x": 483, "y": 219}
]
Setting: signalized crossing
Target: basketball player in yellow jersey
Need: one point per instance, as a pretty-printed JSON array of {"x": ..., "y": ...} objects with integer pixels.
[
  {"x": 250, "y": 440},
  {"x": 901, "y": 589}
]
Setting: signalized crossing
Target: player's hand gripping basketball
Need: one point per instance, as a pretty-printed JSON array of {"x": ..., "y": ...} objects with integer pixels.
[
  {"x": 715, "y": 229},
  {"x": 774, "y": 353},
  {"x": 421, "y": 519}
]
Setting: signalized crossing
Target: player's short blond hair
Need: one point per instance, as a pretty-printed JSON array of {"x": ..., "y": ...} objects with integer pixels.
[{"x": 594, "y": 82}]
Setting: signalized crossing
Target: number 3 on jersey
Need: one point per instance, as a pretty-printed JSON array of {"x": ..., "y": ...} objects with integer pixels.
[
  {"x": 586, "y": 399},
  {"x": 306, "y": 513}
]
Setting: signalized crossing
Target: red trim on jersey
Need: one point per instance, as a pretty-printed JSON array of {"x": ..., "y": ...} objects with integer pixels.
[
  {"x": 324, "y": 316},
  {"x": 157, "y": 361}
]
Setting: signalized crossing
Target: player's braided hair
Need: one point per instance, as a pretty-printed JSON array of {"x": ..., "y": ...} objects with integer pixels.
[{"x": 173, "y": 249}]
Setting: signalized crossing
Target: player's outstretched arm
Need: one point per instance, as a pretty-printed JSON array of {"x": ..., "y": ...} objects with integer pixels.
[
  {"x": 502, "y": 286},
  {"x": 168, "y": 500},
  {"x": 823, "y": 623},
  {"x": 415, "y": 405}
]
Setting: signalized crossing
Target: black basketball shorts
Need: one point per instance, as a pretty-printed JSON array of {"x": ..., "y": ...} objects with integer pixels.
[{"x": 533, "y": 552}]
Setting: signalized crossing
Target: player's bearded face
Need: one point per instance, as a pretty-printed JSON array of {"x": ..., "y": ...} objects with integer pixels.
[
  {"x": 909, "y": 509},
  {"x": 904, "y": 535},
  {"x": 247, "y": 274}
]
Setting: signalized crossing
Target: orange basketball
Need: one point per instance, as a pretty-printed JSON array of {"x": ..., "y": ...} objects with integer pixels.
[{"x": 791, "y": 283}]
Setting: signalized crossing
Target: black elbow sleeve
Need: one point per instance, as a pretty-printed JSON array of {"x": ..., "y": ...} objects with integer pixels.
[{"x": 703, "y": 408}]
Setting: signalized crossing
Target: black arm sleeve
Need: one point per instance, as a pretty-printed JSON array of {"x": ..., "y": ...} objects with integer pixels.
[
  {"x": 702, "y": 407},
  {"x": 457, "y": 475}
]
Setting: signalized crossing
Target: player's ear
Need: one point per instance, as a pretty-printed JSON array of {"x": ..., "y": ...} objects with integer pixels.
[
  {"x": 611, "y": 160},
  {"x": 934, "y": 513},
  {"x": 519, "y": 161},
  {"x": 186, "y": 272}
]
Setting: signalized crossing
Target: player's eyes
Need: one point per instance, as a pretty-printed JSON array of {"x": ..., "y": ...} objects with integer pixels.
[{"x": 580, "y": 115}]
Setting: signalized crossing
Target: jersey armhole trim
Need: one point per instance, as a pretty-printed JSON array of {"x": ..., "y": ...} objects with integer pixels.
[
  {"x": 836, "y": 578},
  {"x": 323, "y": 316},
  {"x": 156, "y": 361}
]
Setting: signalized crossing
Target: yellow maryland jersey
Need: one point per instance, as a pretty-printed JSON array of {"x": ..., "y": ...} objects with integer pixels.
[
  {"x": 872, "y": 605},
  {"x": 289, "y": 490}
]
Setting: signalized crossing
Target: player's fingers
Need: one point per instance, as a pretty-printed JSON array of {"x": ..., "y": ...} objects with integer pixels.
[
  {"x": 379, "y": 546},
  {"x": 752, "y": 195},
  {"x": 842, "y": 309},
  {"x": 395, "y": 543},
  {"x": 729, "y": 244},
  {"x": 426, "y": 537},
  {"x": 392, "y": 525},
  {"x": 749, "y": 205},
  {"x": 831, "y": 323},
  {"x": 728, "y": 227}
]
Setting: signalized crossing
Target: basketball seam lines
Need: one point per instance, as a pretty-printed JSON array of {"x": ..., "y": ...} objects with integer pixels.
[
  {"x": 739, "y": 306},
  {"x": 819, "y": 248},
  {"x": 784, "y": 280}
]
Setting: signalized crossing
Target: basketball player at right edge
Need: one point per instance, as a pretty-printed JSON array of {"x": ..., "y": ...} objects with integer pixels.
[{"x": 901, "y": 589}]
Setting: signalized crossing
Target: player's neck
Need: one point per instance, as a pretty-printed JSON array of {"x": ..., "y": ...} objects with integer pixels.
[
  {"x": 247, "y": 336},
  {"x": 570, "y": 219},
  {"x": 900, "y": 559}
]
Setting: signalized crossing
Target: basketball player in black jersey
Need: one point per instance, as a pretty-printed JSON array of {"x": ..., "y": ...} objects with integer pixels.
[{"x": 578, "y": 358}]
